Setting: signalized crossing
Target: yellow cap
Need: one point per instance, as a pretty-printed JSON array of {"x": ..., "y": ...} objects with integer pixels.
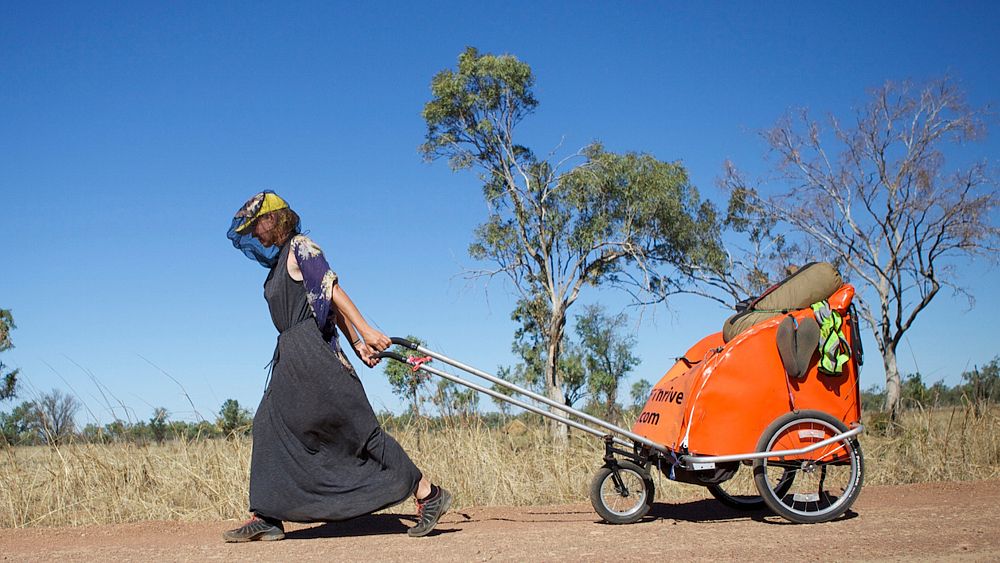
[{"x": 258, "y": 205}]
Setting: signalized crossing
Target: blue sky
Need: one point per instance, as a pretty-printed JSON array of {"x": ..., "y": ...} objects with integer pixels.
[{"x": 131, "y": 132}]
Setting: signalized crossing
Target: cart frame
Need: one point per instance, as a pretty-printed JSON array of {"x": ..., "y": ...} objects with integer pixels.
[{"x": 641, "y": 448}]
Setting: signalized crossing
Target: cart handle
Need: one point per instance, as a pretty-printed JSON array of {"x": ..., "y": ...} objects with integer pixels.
[
  {"x": 404, "y": 343},
  {"x": 521, "y": 391},
  {"x": 502, "y": 397}
]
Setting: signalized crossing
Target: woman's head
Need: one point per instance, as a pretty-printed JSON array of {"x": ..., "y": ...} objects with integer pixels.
[
  {"x": 262, "y": 226},
  {"x": 267, "y": 217},
  {"x": 276, "y": 227}
]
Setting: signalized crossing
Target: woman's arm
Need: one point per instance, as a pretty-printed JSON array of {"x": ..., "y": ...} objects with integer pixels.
[
  {"x": 373, "y": 338},
  {"x": 348, "y": 318},
  {"x": 362, "y": 350}
]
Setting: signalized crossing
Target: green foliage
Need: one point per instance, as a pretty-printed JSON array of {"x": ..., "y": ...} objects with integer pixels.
[
  {"x": 640, "y": 393},
  {"x": 47, "y": 420},
  {"x": 573, "y": 373},
  {"x": 406, "y": 383},
  {"x": 471, "y": 105},
  {"x": 120, "y": 431},
  {"x": 531, "y": 345},
  {"x": 21, "y": 426},
  {"x": 914, "y": 390},
  {"x": 506, "y": 373},
  {"x": 8, "y": 379},
  {"x": 627, "y": 220},
  {"x": 94, "y": 434},
  {"x": 983, "y": 385},
  {"x": 28, "y": 423},
  {"x": 607, "y": 355},
  {"x": 158, "y": 429},
  {"x": 158, "y": 424},
  {"x": 454, "y": 401},
  {"x": 872, "y": 399},
  {"x": 620, "y": 210},
  {"x": 6, "y": 325},
  {"x": 592, "y": 367},
  {"x": 979, "y": 388},
  {"x": 233, "y": 419}
]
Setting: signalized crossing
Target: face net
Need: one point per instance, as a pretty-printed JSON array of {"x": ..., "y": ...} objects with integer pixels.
[
  {"x": 241, "y": 231},
  {"x": 251, "y": 246}
]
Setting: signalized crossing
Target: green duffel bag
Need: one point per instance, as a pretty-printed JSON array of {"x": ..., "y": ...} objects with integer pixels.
[{"x": 815, "y": 281}]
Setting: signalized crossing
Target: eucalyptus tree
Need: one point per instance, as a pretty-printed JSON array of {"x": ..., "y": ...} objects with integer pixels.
[
  {"x": 407, "y": 382},
  {"x": 640, "y": 394},
  {"x": 554, "y": 227},
  {"x": 983, "y": 386},
  {"x": 159, "y": 424},
  {"x": 453, "y": 401},
  {"x": 607, "y": 356},
  {"x": 233, "y": 419},
  {"x": 874, "y": 195},
  {"x": 21, "y": 425},
  {"x": 8, "y": 379},
  {"x": 531, "y": 345}
]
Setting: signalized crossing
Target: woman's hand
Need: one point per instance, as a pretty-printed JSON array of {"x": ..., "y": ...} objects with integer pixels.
[
  {"x": 375, "y": 339},
  {"x": 366, "y": 353}
]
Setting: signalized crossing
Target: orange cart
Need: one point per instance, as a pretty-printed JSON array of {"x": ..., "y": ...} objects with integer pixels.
[{"x": 731, "y": 416}]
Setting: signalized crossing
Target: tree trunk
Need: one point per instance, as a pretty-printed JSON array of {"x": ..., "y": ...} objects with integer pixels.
[
  {"x": 611, "y": 407},
  {"x": 553, "y": 379},
  {"x": 977, "y": 394},
  {"x": 893, "y": 396}
]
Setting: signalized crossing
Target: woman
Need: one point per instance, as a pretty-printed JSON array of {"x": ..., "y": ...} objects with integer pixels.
[{"x": 319, "y": 453}]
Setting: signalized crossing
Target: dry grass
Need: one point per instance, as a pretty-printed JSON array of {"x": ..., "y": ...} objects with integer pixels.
[
  {"x": 97, "y": 484},
  {"x": 208, "y": 479},
  {"x": 932, "y": 445}
]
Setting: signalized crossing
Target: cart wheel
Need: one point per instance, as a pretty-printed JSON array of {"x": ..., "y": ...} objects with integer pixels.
[
  {"x": 826, "y": 481},
  {"x": 623, "y": 499},
  {"x": 740, "y": 491}
]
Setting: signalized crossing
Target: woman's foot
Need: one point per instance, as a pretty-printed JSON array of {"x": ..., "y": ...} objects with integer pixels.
[
  {"x": 429, "y": 511},
  {"x": 256, "y": 528}
]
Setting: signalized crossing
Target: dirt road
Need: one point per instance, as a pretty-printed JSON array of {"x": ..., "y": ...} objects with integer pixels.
[{"x": 931, "y": 521}]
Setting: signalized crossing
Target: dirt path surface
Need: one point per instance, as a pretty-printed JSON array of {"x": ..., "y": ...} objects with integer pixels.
[{"x": 931, "y": 521}]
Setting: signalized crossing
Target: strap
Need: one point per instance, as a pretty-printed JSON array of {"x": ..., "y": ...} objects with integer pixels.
[{"x": 416, "y": 362}]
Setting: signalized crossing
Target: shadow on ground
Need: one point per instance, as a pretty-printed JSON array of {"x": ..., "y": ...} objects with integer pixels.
[
  {"x": 370, "y": 525},
  {"x": 703, "y": 510},
  {"x": 710, "y": 510}
]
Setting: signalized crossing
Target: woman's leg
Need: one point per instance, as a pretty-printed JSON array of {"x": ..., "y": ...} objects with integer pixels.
[
  {"x": 423, "y": 489},
  {"x": 432, "y": 502},
  {"x": 256, "y": 528}
]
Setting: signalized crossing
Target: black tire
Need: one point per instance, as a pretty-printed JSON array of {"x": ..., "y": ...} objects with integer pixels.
[
  {"x": 622, "y": 506},
  {"x": 826, "y": 481},
  {"x": 740, "y": 490}
]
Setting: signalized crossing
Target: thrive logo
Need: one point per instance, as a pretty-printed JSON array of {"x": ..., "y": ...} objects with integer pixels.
[
  {"x": 649, "y": 417},
  {"x": 668, "y": 396}
]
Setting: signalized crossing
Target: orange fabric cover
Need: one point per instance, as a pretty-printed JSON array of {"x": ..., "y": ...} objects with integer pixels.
[{"x": 730, "y": 397}]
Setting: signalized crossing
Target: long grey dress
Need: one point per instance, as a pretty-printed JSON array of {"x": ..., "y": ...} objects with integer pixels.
[{"x": 319, "y": 453}]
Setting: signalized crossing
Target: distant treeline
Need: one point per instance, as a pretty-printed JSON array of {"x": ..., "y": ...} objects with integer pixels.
[
  {"x": 979, "y": 387},
  {"x": 49, "y": 419}
]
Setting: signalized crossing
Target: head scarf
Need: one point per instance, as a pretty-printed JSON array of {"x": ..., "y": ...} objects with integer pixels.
[{"x": 241, "y": 229}]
